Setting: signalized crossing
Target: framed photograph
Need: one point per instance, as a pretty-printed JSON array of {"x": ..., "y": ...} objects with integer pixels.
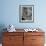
[{"x": 26, "y": 13}]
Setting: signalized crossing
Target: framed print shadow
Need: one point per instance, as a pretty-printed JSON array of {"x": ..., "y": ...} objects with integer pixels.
[{"x": 26, "y": 13}]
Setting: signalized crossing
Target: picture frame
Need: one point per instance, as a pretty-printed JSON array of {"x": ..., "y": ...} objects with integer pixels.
[{"x": 26, "y": 13}]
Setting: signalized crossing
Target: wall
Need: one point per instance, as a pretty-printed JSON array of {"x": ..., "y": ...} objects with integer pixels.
[{"x": 10, "y": 13}]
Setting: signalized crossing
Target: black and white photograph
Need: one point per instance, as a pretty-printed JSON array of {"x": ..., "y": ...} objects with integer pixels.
[{"x": 26, "y": 13}]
